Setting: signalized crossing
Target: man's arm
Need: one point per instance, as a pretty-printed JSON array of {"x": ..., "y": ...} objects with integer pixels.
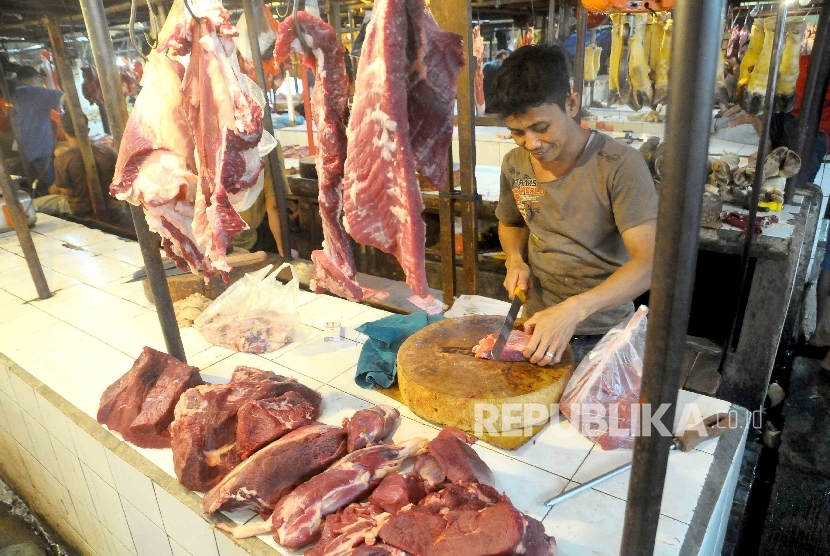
[
  {"x": 553, "y": 327},
  {"x": 514, "y": 244}
]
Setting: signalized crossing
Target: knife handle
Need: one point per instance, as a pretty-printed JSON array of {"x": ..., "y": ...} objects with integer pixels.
[{"x": 520, "y": 292}]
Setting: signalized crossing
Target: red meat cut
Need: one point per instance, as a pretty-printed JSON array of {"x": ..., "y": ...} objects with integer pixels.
[
  {"x": 427, "y": 467},
  {"x": 469, "y": 519},
  {"x": 398, "y": 490},
  {"x": 513, "y": 349},
  {"x": 259, "y": 482},
  {"x": 204, "y": 429},
  {"x": 370, "y": 426},
  {"x": 260, "y": 422},
  {"x": 460, "y": 463},
  {"x": 334, "y": 267},
  {"x": 402, "y": 121},
  {"x": 350, "y": 528},
  {"x": 140, "y": 404},
  {"x": 298, "y": 517}
]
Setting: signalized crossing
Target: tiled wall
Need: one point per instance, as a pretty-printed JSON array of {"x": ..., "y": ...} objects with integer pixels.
[{"x": 75, "y": 475}]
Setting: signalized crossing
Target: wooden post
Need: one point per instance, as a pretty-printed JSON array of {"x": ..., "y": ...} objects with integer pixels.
[
  {"x": 456, "y": 16},
  {"x": 73, "y": 105},
  {"x": 334, "y": 20},
  {"x": 21, "y": 226},
  {"x": 550, "y": 38}
]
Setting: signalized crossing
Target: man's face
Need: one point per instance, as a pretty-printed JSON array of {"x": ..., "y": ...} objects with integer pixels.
[{"x": 543, "y": 130}]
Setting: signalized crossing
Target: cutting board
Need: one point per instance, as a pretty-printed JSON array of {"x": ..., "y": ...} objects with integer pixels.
[{"x": 443, "y": 386}]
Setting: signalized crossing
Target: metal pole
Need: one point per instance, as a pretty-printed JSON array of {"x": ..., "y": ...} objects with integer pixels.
[
  {"x": 579, "y": 57},
  {"x": 457, "y": 16},
  {"x": 97, "y": 28},
  {"x": 551, "y": 34},
  {"x": 335, "y": 21},
  {"x": 758, "y": 182},
  {"x": 815, "y": 90},
  {"x": 564, "y": 28},
  {"x": 697, "y": 31},
  {"x": 27, "y": 168},
  {"x": 21, "y": 226},
  {"x": 253, "y": 15},
  {"x": 73, "y": 105}
]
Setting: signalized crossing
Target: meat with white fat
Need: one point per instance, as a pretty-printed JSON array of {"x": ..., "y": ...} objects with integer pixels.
[{"x": 402, "y": 121}]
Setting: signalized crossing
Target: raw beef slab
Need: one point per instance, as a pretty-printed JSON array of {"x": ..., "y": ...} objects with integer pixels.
[
  {"x": 469, "y": 519},
  {"x": 368, "y": 427},
  {"x": 140, "y": 404},
  {"x": 402, "y": 120},
  {"x": 398, "y": 490},
  {"x": 202, "y": 108},
  {"x": 334, "y": 267},
  {"x": 513, "y": 348},
  {"x": 298, "y": 517},
  {"x": 459, "y": 462},
  {"x": 204, "y": 429},
  {"x": 259, "y": 482},
  {"x": 260, "y": 422},
  {"x": 349, "y": 529},
  {"x": 156, "y": 168}
]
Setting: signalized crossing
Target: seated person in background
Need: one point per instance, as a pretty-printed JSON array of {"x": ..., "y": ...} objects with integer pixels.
[
  {"x": 263, "y": 218},
  {"x": 69, "y": 194}
]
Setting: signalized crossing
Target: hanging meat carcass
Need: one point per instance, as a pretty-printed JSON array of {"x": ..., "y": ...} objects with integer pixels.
[
  {"x": 756, "y": 43},
  {"x": 753, "y": 99},
  {"x": 641, "y": 88},
  {"x": 190, "y": 148},
  {"x": 789, "y": 68},
  {"x": 402, "y": 121},
  {"x": 661, "y": 74},
  {"x": 334, "y": 266},
  {"x": 614, "y": 60},
  {"x": 478, "y": 81}
]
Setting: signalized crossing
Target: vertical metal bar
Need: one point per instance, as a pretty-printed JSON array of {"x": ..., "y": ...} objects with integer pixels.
[
  {"x": 697, "y": 30},
  {"x": 564, "y": 28},
  {"x": 253, "y": 15},
  {"x": 21, "y": 226},
  {"x": 97, "y": 28},
  {"x": 334, "y": 20},
  {"x": 446, "y": 217},
  {"x": 352, "y": 36},
  {"x": 815, "y": 90},
  {"x": 457, "y": 16},
  {"x": 758, "y": 182},
  {"x": 579, "y": 57},
  {"x": 27, "y": 168},
  {"x": 550, "y": 38},
  {"x": 73, "y": 105}
]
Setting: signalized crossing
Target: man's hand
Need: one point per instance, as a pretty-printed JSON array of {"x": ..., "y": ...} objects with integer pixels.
[
  {"x": 518, "y": 275},
  {"x": 552, "y": 330}
]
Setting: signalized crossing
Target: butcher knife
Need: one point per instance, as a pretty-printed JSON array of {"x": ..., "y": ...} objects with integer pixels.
[{"x": 507, "y": 327}]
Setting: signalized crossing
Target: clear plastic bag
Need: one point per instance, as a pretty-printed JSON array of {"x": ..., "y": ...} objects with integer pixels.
[
  {"x": 599, "y": 397},
  {"x": 257, "y": 314}
]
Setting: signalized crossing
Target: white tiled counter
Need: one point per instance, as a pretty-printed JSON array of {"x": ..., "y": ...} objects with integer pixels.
[{"x": 107, "y": 497}]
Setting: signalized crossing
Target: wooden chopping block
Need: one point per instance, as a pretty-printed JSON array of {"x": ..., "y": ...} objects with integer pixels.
[
  {"x": 184, "y": 285},
  {"x": 443, "y": 386}
]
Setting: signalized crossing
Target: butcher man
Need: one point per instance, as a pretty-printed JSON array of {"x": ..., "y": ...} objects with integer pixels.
[{"x": 577, "y": 210}]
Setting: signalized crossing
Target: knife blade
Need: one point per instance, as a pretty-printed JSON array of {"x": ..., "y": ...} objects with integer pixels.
[{"x": 507, "y": 327}]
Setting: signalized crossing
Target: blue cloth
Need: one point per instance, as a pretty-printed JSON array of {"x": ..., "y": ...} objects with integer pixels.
[
  {"x": 32, "y": 106},
  {"x": 378, "y": 358}
]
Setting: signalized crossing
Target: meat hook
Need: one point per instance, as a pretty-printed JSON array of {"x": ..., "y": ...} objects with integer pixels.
[
  {"x": 299, "y": 32},
  {"x": 153, "y": 27},
  {"x": 186, "y": 5}
]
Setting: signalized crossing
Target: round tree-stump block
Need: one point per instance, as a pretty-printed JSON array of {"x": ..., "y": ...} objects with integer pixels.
[{"x": 441, "y": 381}]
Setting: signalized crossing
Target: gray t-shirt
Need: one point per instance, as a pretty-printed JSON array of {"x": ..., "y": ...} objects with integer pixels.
[{"x": 576, "y": 222}]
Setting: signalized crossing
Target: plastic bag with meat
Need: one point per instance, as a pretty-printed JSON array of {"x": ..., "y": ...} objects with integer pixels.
[
  {"x": 599, "y": 396},
  {"x": 257, "y": 314}
]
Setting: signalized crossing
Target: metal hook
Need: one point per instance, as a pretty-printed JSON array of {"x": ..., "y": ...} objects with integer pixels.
[
  {"x": 186, "y": 5},
  {"x": 299, "y": 32},
  {"x": 136, "y": 46}
]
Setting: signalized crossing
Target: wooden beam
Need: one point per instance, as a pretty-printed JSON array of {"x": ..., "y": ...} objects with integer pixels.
[
  {"x": 73, "y": 105},
  {"x": 456, "y": 16}
]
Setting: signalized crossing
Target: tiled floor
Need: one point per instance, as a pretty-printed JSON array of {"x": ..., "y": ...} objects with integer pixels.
[{"x": 87, "y": 335}]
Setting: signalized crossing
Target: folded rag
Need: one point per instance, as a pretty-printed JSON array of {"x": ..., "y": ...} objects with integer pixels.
[{"x": 378, "y": 358}]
